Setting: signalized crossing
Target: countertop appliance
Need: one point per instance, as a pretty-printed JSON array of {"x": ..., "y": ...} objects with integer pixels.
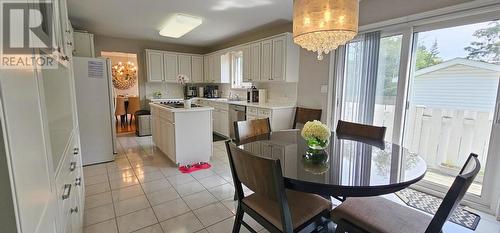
[
  {"x": 191, "y": 92},
  {"x": 236, "y": 113},
  {"x": 212, "y": 91},
  {"x": 252, "y": 95},
  {"x": 96, "y": 109}
]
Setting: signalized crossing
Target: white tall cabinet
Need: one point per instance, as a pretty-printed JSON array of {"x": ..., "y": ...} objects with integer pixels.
[{"x": 40, "y": 164}]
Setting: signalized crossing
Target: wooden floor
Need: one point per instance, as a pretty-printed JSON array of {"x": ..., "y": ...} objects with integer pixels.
[{"x": 125, "y": 127}]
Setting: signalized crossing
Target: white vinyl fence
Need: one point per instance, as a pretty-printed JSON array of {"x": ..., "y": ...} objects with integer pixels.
[{"x": 443, "y": 137}]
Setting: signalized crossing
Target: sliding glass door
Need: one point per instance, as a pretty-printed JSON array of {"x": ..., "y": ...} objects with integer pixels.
[
  {"x": 451, "y": 102},
  {"x": 435, "y": 87}
]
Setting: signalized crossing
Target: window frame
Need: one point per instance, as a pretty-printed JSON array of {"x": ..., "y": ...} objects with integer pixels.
[{"x": 236, "y": 71}]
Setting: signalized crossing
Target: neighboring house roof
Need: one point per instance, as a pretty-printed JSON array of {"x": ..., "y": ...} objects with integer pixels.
[{"x": 458, "y": 61}]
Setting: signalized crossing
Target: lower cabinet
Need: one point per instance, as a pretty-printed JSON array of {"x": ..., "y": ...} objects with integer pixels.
[
  {"x": 280, "y": 119},
  {"x": 271, "y": 150}
]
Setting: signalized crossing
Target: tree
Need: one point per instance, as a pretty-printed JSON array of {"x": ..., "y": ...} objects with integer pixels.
[
  {"x": 487, "y": 46},
  {"x": 426, "y": 57}
]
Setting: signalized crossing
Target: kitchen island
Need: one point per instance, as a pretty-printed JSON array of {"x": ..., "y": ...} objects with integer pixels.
[{"x": 183, "y": 134}]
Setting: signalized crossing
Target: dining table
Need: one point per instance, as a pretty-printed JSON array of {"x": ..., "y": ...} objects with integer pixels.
[{"x": 347, "y": 167}]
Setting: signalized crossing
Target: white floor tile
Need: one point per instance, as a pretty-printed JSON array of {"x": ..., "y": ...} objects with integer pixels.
[
  {"x": 156, "y": 185},
  {"x": 198, "y": 200},
  {"x": 212, "y": 181},
  {"x": 170, "y": 209},
  {"x": 124, "y": 182},
  {"x": 186, "y": 223},
  {"x": 136, "y": 220},
  {"x": 189, "y": 188},
  {"x": 131, "y": 205},
  {"x": 163, "y": 195},
  {"x": 108, "y": 226},
  {"x": 98, "y": 200},
  {"x": 126, "y": 193},
  {"x": 222, "y": 192},
  {"x": 97, "y": 188},
  {"x": 180, "y": 179},
  {"x": 98, "y": 214},
  {"x": 213, "y": 213},
  {"x": 151, "y": 229}
]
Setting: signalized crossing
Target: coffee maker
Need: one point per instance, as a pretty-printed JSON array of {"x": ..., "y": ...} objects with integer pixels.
[
  {"x": 191, "y": 92},
  {"x": 212, "y": 91}
]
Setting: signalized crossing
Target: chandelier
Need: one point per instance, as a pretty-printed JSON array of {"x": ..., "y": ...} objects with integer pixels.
[
  {"x": 124, "y": 75},
  {"x": 322, "y": 25}
]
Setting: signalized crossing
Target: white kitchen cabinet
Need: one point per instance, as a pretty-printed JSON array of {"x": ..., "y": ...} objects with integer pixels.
[
  {"x": 255, "y": 57},
  {"x": 206, "y": 69},
  {"x": 197, "y": 69},
  {"x": 83, "y": 44},
  {"x": 171, "y": 67},
  {"x": 266, "y": 60},
  {"x": 179, "y": 129},
  {"x": 247, "y": 60},
  {"x": 185, "y": 65},
  {"x": 278, "y": 62},
  {"x": 217, "y": 68},
  {"x": 279, "y": 118},
  {"x": 155, "y": 67}
]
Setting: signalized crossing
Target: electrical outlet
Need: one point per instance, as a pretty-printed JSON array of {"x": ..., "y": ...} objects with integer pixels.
[{"x": 324, "y": 89}]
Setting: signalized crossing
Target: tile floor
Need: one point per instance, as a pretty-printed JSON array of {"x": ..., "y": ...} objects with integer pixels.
[{"x": 143, "y": 192}]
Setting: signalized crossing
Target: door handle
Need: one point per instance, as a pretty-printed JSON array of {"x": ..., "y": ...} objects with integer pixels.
[
  {"x": 67, "y": 191},
  {"x": 72, "y": 166}
]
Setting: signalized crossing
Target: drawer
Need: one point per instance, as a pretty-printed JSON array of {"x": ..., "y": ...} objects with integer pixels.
[
  {"x": 252, "y": 110},
  {"x": 265, "y": 112}
]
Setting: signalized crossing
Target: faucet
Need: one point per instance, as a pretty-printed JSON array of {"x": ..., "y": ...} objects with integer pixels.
[{"x": 235, "y": 97}]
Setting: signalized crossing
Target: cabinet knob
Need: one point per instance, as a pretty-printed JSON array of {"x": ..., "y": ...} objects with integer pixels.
[
  {"x": 69, "y": 43},
  {"x": 78, "y": 181},
  {"x": 75, "y": 151},
  {"x": 68, "y": 31},
  {"x": 74, "y": 210}
]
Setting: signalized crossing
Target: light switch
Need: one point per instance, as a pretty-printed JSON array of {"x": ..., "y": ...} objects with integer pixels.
[{"x": 324, "y": 89}]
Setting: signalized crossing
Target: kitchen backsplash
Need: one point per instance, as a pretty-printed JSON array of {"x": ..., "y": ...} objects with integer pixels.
[
  {"x": 168, "y": 90},
  {"x": 276, "y": 92}
]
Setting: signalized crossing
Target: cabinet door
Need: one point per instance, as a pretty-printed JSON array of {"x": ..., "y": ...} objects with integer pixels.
[
  {"x": 211, "y": 68},
  {"x": 266, "y": 150},
  {"x": 255, "y": 61},
  {"x": 278, "y": 68},
  {"x": 197, "y": 69},
  {"x": 224, "y": 121},
  {"x": 247, "y": 76},
  {"x": 170, "y": 140},
  {"x": 171, "y": 67},
  {"x": 266, "y": 60},
  {"x": 216, "y": 121},
  {"x": 185, "y": 65},
  {"x": 217, "y": 68},
  {"x": 155, "y": 66},
  {"x": 206, "y": 69}
]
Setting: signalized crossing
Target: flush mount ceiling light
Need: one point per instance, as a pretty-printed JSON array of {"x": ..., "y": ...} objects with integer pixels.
[
  {"x": 180, "y": 24},
  {"x": 322, "y": 25}
]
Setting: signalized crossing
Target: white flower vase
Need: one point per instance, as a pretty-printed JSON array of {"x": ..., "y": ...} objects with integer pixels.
[{"x": 187, "y": 103}]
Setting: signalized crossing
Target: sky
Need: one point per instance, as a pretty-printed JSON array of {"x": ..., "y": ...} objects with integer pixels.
[{"x": 451, "y": 41}]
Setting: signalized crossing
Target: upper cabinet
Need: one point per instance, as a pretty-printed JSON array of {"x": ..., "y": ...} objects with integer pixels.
[
  {"x": 165, "y": 66},
  {"x": 197, "y": 69},
  {"x": 274, "y": 59},
  {"x": 270, "y": 60}
]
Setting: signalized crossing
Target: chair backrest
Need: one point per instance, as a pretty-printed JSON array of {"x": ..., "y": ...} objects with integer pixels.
[
  {"x": 251, "y": 130},
  {"x": 303, "y": 115},
  {"x": 361, "y": 131},
  {"x": 261, "y": 175},
  {"x": 120, "y": 106},
  {"x": 455, "y": 193},
  {"x": 134, "y": 104}
]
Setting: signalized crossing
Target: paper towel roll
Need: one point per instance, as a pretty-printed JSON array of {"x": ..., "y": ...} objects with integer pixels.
[{"x": 262, "y": 95}]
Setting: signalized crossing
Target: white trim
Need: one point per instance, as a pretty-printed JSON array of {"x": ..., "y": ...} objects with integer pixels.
[
  {"x": 447, "y": 13},
  {"x": 330, "y": 109}
]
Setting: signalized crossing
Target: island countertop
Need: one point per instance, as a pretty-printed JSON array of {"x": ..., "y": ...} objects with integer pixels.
[{"x": 173, "y": 109}]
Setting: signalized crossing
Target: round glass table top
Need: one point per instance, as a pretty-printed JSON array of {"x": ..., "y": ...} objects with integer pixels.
[{"x": 346, "y": 168}]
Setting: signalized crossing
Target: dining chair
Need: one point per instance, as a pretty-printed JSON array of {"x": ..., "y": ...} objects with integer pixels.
[
  {"x": 251, "y": 130},
  {"x": 120, "y": 109},
  {"x": 303, "y": 115},
  {"x": 355, "y": 130},
  {"x": 379, "y": 215},
  {"x": 134, "y": 105},
  {"x": 277, "y": 209}
]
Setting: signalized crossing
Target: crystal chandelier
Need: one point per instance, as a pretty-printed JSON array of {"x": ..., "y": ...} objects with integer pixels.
[{"x": 322, "y": 25}]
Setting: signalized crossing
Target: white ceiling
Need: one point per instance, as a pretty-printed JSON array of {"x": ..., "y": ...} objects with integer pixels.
[{"x": 142, "y": 19}]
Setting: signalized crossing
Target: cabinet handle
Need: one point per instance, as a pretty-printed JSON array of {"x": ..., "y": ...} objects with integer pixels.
[
  {"x": 78, "y": 181},
  {"x": 75, "y": 151},
  {"x": 72, "y": 166},
  {"x": 74, "y": 210},
  {"x": 67, "y": 191},
  {"x": 68, "y": 31},
  {"x": 69, "y": 43}
]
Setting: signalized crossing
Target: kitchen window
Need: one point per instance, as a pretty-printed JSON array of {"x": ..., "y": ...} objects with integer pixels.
[{"x": 237, "y": 71}]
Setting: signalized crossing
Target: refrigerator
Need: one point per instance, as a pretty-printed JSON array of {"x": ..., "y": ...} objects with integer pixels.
[{"x": 96, "y": 108}]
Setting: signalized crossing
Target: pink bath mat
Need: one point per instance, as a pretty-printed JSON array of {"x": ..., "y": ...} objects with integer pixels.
[{"x": 194, "y": 167}]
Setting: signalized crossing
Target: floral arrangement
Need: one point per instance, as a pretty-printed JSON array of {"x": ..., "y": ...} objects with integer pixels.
[
  {"x": 124, "y": 75},
  {"x": 182, "y": 79},
  {"x": 317, "y": 134}
]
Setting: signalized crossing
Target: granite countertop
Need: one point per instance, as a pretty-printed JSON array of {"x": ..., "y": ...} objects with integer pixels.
[
  {"x": 269, "y": 105},
  {"x": 172, "y": 109}
]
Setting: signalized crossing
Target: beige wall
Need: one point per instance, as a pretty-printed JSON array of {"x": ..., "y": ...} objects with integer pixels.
[{"x": 113, "y": 44}]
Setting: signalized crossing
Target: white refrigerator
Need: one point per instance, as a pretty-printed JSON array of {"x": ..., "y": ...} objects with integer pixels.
[{"x": 95, "y": 107}]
